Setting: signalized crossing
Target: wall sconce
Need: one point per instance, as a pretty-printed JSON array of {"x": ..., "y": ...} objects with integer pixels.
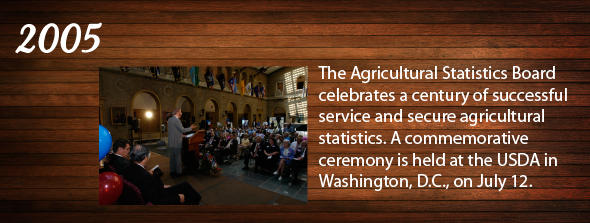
[
  {"x": 202, "y": 113},
  {"x": 225, "y": 113}
]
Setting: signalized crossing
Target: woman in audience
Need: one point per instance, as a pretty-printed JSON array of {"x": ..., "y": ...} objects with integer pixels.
[
  {"x": 243, "y": 146},
  {"x": 286, "y": 155},
  {"x": 272, "y": 153}
]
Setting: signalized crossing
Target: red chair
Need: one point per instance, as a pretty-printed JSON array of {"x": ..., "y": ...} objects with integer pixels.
[
  {"x": 109, "y": 168},
  {"x": 131, "y": 195}
]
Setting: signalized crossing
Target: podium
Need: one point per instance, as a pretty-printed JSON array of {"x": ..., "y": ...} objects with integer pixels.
[{"x": 190, "y": 146}]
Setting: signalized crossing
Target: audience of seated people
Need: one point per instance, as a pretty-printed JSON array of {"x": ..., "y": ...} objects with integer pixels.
[{"x": 266, "y": 145}]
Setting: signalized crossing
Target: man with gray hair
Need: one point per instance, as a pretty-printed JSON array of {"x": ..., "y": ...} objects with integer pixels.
[
  {"x": 175, "y": 131},
  {"x": 154, "y": 191}
]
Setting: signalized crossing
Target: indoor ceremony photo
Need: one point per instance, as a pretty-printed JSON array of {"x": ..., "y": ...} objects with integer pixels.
[{"x": 203, "y": 135}]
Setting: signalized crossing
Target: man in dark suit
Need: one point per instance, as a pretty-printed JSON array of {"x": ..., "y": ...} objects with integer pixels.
[
  {"x": 118, "y": 159},
  {"x": 256, "y": 152},
  {"x": 300, "y": 161},
  {"x": 211, "y": 142},
  {"x": 153, "y": 191},
  {"x": 230, "y": 146}
]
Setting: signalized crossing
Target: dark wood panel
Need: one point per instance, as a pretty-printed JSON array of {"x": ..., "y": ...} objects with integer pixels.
[
  {"x": 314, "y": 53},
  {"x": 313, "y": 207},
  {"x": 52, "y": 159},
  {"x": 279, "y": 216},
  {"x": 49, "y": 194},
  {"x": 339, "y": 194},
  {"x": 319, "y": 41},
  {"x": 93, "y": 64},
  {"x": 50, "y": 136},
  {"x": 50, "y": 147},
  {"x": 327, "y": 29},
  {"x": 51, "y": 171},
  {"x": 44, "y": 89},
  {"x": 49, "y": 100},
  {"x": 28, "y": 77},
  {"x": 283, "y": 17},
  {"x": 47, "y": 112},
  {"x": 49, "y": 124},
  {"x": 442, "y": 194},
  {"x": 49, "y": 182},
  {"x": 265, "y": 5}
]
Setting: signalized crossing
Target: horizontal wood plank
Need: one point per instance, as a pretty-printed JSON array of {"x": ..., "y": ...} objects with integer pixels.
[
  {"x": 158, "y": 41},
  {"x": 327, "y": 29},
  {"x": 283, "y": 17},
  {"x": 49, "y": 100},
  {"x": 266, "y": 5},
  {"x": 275, "y": 217},
  {"x": 92, "y": 64},
  {"x": 513, "y": 207},
  {"x": 313, "y": 53},
  {"x": 442, "y": 194},
  {"x": 48, "y": 112}
]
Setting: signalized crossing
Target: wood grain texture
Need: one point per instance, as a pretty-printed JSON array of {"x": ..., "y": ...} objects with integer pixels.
[{"x": 48, "y": 102}]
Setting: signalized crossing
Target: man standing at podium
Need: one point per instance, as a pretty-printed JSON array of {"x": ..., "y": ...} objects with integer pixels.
[{"x": 175, "y": 131}]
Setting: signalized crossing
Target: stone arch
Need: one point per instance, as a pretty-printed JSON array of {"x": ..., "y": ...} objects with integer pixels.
[
  {"x": 232, "y": 113},
  {"x": 187, "y": 106},
  {"x": 280, "y": 111},
  {"x": 248, "y": 113},
  {"x": 141, "y": 105},
  {"x": 212, "y": 111}
]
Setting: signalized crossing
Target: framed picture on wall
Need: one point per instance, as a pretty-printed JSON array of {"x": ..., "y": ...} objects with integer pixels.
[{"x": 118, "y": 115}]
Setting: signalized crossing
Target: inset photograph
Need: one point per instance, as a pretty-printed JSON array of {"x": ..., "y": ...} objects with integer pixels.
[{"x": 203, "y": 135}]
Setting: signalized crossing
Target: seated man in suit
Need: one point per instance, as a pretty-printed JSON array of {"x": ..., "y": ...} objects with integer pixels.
[
  {"x": 256, "y": 152},
  {"x": 118, "y": 159},
  {"x": 230, "y": 146},
  {"x": 211, "y": 142},
  {"x": 153, "y": 191}
]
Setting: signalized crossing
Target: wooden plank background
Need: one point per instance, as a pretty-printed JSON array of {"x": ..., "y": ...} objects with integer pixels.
[{"x": 48, "y": 101}]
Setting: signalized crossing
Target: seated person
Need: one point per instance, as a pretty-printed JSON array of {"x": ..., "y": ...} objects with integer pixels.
[
  {"x": 255, "y": 152},
  {"x": 231, "y": 146},
  {"x": 118, "y": 159},
  {"x": 153, "y": 191},
  {"x": 210, "y": 142},
  {"x": 297, "y": 144},
  {"x": 243, "y": 146},
  {"x": 271, "y": 155},
  {"x": 287, "y": 154},
  {"x": 299, "y": 161}
]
